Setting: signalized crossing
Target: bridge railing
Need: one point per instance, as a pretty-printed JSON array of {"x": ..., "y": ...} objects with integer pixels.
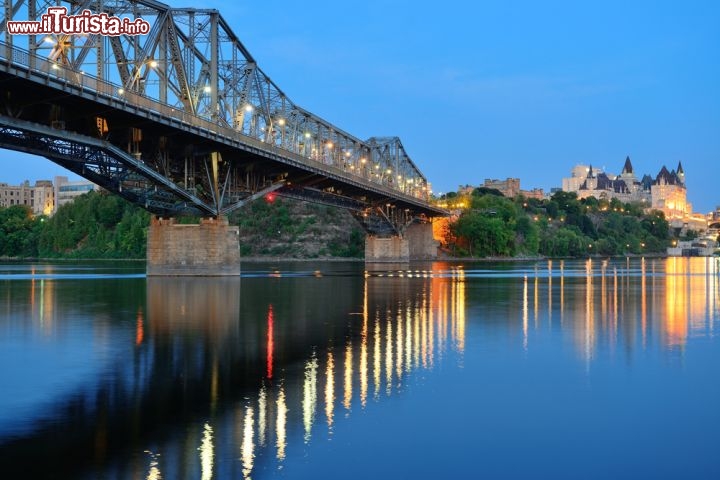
[{"x": 364, "y": 169}]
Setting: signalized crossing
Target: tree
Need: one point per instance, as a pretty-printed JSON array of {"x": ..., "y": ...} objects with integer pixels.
[
  {"x": 552, "y": 208},
  {"x": 95, "y": 225},
  {"x": 19, "y": 230},
  {"x": 485, "y": 235},
  {"x": 563, "y": 243},
  {"x": 527, "y": 237},
  {"x": 480, "y": 191},
  {"x": 564, "y": 226}
]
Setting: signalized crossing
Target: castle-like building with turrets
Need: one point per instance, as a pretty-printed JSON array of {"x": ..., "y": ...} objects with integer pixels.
[{"x": 666, "y": 192}]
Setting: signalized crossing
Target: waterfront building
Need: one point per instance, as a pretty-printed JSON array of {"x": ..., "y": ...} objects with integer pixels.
[
  {"x": 666, "y": 192},
  {"x": 713, "y": 218},
  {"x": 39, "y": 197},
  {"x": 701, "y": 247},
  {"x": 66, "y": 191}
]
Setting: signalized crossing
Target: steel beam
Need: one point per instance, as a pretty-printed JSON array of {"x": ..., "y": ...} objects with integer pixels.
[{"x": 192, "y": 73}]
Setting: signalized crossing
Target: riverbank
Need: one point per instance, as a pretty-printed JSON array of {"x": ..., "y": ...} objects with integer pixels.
[{"x": 265, "y": 259}]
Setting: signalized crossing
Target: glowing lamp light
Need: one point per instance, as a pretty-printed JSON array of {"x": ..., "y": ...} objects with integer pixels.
[
  {"x": 307, "y": 135},
  {"x": 281, "y": 121},
  {"x": 270, "y": 197},
  {"x": 153, "y": 64},
  {"x": 363, "y": 161},
  {"x": 121, "y": 91},
  {"x": 249, "y": 108},
  {"x": 329, "y": 145},
  {"x": 207, "y": 89}
]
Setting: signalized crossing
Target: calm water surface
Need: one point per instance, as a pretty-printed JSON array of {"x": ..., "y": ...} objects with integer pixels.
[{"x": 552, "y": 369}]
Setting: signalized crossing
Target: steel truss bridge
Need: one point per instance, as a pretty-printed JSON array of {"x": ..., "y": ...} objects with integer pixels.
[{"x": 182, "y": 120}]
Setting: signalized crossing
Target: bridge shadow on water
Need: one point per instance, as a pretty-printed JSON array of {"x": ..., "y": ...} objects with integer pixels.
[{"x": 259, "y": 365}]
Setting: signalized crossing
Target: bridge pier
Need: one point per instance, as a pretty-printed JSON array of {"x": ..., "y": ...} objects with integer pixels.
[
  {"x": 208, "y": 249},
  {"x": 417, "y": 243}
]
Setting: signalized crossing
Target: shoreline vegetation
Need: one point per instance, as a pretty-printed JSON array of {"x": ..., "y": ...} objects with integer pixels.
[
  {"x": 345, "y": 259},
  {"x": 486, "y": 227}
]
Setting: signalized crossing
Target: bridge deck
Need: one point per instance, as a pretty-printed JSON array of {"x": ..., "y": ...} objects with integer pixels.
[{"x": 189, "y": 116}]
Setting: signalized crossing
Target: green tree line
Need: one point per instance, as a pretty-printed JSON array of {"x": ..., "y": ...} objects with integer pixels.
[
  {"x": 562, "y": 226},
  {"x": 100, "y": 225},
  {"x": 94, "y": 225}
]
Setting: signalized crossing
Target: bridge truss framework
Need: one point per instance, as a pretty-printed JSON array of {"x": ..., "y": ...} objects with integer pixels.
[{"x": 182, "y": 120}]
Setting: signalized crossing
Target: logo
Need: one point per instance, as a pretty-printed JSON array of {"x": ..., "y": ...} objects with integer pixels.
[{"x": 57, "y": 22}]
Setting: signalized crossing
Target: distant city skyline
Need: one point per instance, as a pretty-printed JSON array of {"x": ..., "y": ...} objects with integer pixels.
[{"x": 497, "y": 89}]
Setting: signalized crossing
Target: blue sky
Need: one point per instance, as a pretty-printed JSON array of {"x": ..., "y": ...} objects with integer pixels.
[{"x": 496, "y": 89}]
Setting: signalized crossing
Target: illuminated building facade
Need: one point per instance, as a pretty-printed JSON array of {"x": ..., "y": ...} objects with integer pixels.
[
  {"x": 45, "y": 196},
  {"x": 39, "y": 197},
  {"x": 666, "y": 192},
  {"x": 587, "y": 181},
  {"x": 669, "y": 193}
]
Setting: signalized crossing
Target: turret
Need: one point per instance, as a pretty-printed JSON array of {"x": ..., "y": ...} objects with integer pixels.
[
  {"x": 664, "y": 177},
  {"x": 628, "y": 168},
  {"x": 681, "y": 173}
]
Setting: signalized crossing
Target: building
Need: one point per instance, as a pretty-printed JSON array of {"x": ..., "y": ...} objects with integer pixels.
[
  {"x": 701, "y": 247},
  {"x": 534, "y": 193},
  {"x": 578, "y": 175},
  {"x": 66, "y": 191},
  {"x": 669, "y": 193},
  {"x": 39, "y": 197},
  {"x": 713, "y": 218},
  {"x": 666, "y": 192},
  {"x": 465, "y": 189},
  {"x": 587, "y": 181},
  {"x": 510, "y": 187}
]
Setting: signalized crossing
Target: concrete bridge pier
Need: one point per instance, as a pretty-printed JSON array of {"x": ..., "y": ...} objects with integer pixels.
[
  {"x": 207, "y": 249},
  {"x": 417, "y": 243}
]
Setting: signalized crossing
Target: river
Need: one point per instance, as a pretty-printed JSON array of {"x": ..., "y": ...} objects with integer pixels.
[{"x": 544, "y": 369}]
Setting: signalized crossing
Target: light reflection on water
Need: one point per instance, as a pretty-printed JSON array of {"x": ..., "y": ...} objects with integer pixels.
[{"x": 252, "y": 373}]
